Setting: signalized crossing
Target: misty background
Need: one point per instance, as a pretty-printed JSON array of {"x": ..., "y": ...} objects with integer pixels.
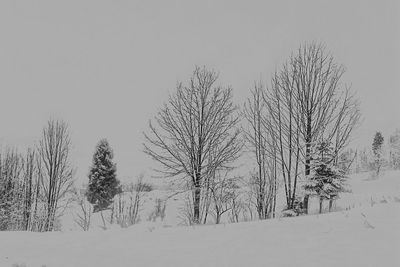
[{"x": 105, "y": 67}]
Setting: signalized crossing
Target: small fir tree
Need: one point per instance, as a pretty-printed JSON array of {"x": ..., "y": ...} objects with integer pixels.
[
  {"x": 327, "y": 179},
  {"x": 377, "y": 149},
  {"x": 103, "y": 182}
]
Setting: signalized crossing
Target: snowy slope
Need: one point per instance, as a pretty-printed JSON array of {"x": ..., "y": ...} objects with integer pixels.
[
  {"x": 366, "y": 235},
  {"x": 361, "y": 237}
]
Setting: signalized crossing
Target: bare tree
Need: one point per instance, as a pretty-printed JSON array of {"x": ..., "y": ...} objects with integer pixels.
[
  {"x": 315, "y": 78},
  {"x": 327, "y": 110},
  {"x": 55, "y": 171},
  {"x": 223, "y": 191},
  {"x": 284, "y": 144},
  {"x": 84, "y": 215},
  {"x": 28, "y": 187},
  {"x": 308, "y": 103},
  {"x": 198, "y": 124},
  {"x": 258, "y": 136},
  {"x": 236, "y": 208}
]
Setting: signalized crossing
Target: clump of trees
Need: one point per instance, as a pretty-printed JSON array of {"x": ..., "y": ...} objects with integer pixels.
[
  {"x": 35, "y": 188},
  {"x": 295, "y": 129},
  {"x": 17, "y": 189},
  {"x": 195, "y": 135},
  {"x": 305, "y": 102},
  {"x": 380, "y": 155}
]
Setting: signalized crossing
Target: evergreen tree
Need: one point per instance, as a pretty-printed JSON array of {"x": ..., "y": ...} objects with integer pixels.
[
  {"x": 327, "y": 179},
  {"x": 394, "y": 150},
  {"x": 377, "y": 149},
  {"x": 103, "y": 183}
]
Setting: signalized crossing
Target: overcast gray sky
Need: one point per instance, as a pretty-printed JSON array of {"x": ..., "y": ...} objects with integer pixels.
[{"x": 106, "y": 66}]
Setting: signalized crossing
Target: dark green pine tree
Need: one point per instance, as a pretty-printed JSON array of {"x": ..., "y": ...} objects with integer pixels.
[
  {"x": 377, "y": 143},
  {"x": 327, "y": 180},
  {"x": 378, "y": 151},
  {"x": 103, "y": 182}
]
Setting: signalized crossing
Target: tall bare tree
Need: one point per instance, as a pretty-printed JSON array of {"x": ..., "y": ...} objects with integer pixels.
[
  {"x": 196, "y": 133},
  {"x": 284, "y": 143},
  {"x": 258, "y": 136},
  {"x": 327, "y": 109},
  {"x": 55, "y": 170},
  {"x": 307, "y": 103}
]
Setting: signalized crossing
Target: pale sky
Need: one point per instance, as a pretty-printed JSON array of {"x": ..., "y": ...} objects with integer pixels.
[{"x": 105, "y": 67}]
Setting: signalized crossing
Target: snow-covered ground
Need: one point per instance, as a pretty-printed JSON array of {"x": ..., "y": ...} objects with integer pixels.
[{"x": 365, "y": 232}]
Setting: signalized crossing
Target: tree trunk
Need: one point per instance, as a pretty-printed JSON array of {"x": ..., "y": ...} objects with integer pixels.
[
  {"x": 305, "y": 203},
  {"x": 218, "y": 217},
  {"x": 308, "y": 146},
  {"x": 196, "y": 204},
  {"x": 308, "y": 162},
  {"x": 275, "y": 186},
  {"x": 330, "y": 203},
  {"x": 104, "y": 221},
  {"x": 320, "y": 205},
  {"x": 260, "y": 206},
  {"x": 112, "y": 214},
  {"x": 49, "y": 219}
]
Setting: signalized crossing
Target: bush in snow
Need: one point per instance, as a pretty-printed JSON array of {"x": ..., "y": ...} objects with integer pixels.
[
  {"x": 159, "y": 210},
  {"x": 126, "y": 205},
  {"x": 296, "y": 210}
]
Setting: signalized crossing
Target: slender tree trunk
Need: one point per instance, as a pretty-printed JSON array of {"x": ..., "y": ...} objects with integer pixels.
[
  {"x": 112, "y": 214},
  {"x": 104, "y": 221},
  {"x": 308, "y": 161},
  {"x": 320, "y": 204},
  {"x": 218, "y": 215},
  {"x": 305, "y": 203},
  {"x": 275, "y": 185},
  {"x": 330, "y": 203},
  {"x": 308, "y": 146},
  {"x": 207, "y": 201}
]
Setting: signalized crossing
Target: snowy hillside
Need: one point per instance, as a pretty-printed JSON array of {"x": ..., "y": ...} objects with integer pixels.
[
  {"x": 367, "y": 234},
  {"x": 361, "y": 237}
]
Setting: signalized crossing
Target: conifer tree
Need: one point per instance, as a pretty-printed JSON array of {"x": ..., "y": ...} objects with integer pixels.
[
  {"x": 377, "y": 149},
  {"x": 327, "y": 179},
  {"x": 103, "y": 182}
]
